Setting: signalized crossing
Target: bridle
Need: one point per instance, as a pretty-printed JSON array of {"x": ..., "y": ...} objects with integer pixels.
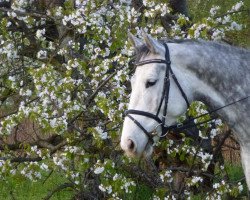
[
  {"x": 189, "y": 122},
  {"x": 164, "y": 97}
]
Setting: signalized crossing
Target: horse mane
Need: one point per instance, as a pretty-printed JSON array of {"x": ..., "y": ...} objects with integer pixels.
[{"x": 143, "y": 50}]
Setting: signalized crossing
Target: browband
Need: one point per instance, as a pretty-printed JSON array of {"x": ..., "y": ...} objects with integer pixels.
[{"x": 144, "y": 62}]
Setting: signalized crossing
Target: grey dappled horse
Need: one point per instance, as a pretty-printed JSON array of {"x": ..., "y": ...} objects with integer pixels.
[{"x": 216, "y": 74}]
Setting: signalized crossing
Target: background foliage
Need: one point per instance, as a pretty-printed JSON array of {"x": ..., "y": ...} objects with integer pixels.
[{"x": 64, "y": 84}]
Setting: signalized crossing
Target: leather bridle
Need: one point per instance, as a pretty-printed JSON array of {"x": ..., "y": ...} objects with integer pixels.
[
  {"x": 189, "y": 122},
  {"x": 164, "y": 97}
]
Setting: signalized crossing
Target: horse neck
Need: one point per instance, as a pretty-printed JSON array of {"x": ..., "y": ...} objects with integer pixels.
[{"x": 207, "y": 71}]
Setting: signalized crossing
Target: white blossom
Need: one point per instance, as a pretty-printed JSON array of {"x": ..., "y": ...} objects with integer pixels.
[
  {"x": 214, "y": 10},
  {"x": 237, "y": 6},
  {"x": 99, "y": 170},
  {"x": 42, "y": 54},
  {"x": 40, "y": 33}
]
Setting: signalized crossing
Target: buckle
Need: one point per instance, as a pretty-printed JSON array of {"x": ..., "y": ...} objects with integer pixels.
[
  {"x": 164, "y": 134},
  {"x": 157, "y": 126},
  {"x": 154, "y": 132},
  {"x": 179, "y": 125},
  {"x": 167, "y": 79}
]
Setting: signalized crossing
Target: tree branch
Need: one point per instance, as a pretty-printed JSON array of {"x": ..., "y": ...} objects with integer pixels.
[
  {"x": 93, "y": 95},
  {"x": 21, "y": 13},
  {"x": 232, "y": 12},
  {"x": 57, "y": 189},
  {"x": 21, "y": 159},
  {"x": 151, "y": 180}
]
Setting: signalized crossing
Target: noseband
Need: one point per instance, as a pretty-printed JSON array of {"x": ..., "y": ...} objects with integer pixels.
[{"x": 164, "y": 97}]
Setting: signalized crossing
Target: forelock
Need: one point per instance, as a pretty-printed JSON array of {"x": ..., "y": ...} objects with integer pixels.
[{"x": 141, "y": 51}]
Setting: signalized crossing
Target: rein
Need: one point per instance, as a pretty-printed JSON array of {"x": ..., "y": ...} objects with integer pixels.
[
  {"x": 165, "y": 97},
  {"x": 186, "y": 124}
]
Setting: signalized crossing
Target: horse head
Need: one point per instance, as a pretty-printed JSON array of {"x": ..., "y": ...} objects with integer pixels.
[{"x": 154, "y": 102}]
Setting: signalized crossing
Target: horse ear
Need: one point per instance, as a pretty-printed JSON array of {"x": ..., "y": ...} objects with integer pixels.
[
  {"x": 134, "y": 40},
  {"x": 151, "y": 43}
]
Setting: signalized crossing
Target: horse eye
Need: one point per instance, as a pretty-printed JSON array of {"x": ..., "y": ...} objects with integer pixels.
[{"x": 150, "y": 83}]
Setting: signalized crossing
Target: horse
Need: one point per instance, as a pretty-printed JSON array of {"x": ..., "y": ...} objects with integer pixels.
[{"x": 171, "y": 75}]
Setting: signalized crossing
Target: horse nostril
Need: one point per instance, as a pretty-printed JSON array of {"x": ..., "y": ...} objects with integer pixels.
[{"x": 131, "y": 145}]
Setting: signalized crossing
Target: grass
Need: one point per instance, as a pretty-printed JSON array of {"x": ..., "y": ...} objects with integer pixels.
[
  {"x": 23, "y": 189},
  {"x": 236, "y": 174},
  {"x": 141, "y": 192}
]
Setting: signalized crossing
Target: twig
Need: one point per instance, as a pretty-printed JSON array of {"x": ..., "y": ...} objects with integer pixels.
[
  {"x": 5, "y": 4},
  {"x": 186, "y": 169},
  {"x": 50, "y": 3},
  {"x": 12, "y": 195},
  {"x": 51, "y": 147},
  {"x": 91, "y": 98},
  {"x": 47, "y": 177},
  {"x": 22, "y": 159},
  {"x": 57, "y": 189},
  {"x": 21, "y": 13},
  {"x": 232, "y": 12},
  {"x": 16, "y": 111},
  {"x": 180, "y": 192},
  {"x": 152, "y": 180},
  {"x": 60, "y": 145}
]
